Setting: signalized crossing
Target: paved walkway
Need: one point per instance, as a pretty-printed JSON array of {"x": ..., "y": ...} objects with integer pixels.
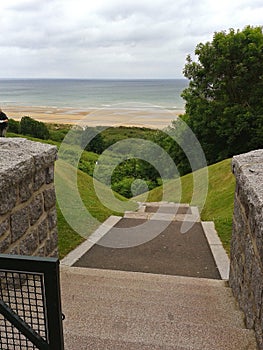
[{"x": 168, "y": 252}]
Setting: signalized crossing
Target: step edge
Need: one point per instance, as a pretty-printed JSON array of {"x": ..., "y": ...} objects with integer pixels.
[{"x": 220, "y": 256}]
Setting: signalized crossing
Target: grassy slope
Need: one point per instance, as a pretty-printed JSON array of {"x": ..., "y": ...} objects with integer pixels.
[
  {"x": 68, "y": 238},
  {"x": 219, "y": 202}
]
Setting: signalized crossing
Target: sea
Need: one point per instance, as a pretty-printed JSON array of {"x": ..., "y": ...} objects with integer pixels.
[{"x": 87, "y": 93}]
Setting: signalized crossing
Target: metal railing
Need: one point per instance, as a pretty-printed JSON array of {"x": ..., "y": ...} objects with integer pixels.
[{"x": 30, "y": 303}]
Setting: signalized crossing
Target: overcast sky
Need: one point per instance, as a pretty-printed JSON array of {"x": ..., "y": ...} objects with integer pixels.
[{"x": 112, "y": 38}]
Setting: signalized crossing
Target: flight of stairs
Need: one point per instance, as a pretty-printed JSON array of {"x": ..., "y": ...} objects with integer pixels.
[{"x": 117, "y": 310}]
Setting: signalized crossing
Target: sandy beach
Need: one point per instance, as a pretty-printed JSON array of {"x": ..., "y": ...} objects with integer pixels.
[{"x": 157, "y": 118}]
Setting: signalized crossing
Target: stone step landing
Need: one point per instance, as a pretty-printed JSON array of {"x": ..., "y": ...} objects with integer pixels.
[
  {"x": 164, "y": 211},
  {"x": 117, "y": 310}
]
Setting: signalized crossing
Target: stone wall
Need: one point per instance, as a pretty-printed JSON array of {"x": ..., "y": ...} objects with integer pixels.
[
  {"x": 28, "y": 219},
  {"x": 246, "y": 270}
]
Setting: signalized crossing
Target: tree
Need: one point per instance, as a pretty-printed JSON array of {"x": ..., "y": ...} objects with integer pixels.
[
  {"x": 31, "y": 127},
  {"x": 224, "y": 103},
  {"x": 91, "y": 140},
  {"x": 13, "y": 126}
]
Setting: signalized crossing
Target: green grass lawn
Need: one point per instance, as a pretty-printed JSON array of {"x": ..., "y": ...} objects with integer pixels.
[
  {"x": 95, "y": 212},
  {"x": 219, "y": 201}
]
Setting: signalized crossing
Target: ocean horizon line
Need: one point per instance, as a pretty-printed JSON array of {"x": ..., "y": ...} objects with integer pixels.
[{"x": 94, "y": 79}]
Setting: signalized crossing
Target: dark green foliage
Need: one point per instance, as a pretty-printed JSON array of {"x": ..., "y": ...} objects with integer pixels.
[
  {"x": 112, "y": 135},
  {"x": 31, "y": 127},
  {"x": 130, "y": 186},
  {"x": 224, "y": 101},
  {"x": 91, "y": 140},
  {"x": 57, "y": 135},
  {"x": 133, "y": 177},
  {"x": 13, "y": 126}
]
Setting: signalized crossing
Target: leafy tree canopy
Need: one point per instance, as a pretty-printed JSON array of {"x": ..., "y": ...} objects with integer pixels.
[
  {"x": 224, "y": 99},
  {"x": 31, "y": 127}
]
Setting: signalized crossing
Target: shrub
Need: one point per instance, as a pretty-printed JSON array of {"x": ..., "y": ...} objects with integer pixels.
[{"x": 31, "y": 127}]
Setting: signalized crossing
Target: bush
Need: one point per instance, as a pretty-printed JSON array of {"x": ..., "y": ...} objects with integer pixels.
[
  {"x": 31, "y": 127},
  {"x": 13, "y": 126}
]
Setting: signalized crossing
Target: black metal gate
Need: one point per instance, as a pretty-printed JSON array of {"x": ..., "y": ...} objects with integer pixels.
[{"x": 30, "y": 303}]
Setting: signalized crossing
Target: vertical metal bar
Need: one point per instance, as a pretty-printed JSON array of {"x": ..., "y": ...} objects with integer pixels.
[{"x": 54, "y": 314}]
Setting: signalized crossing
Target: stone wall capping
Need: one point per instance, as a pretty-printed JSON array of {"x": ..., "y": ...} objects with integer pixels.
[
  {"x": 248, "y": 170},
  {"x": 18, "y": 157}
]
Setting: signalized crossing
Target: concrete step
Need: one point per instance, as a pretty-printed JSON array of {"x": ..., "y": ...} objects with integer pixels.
[
  {"x": 124, "y": 310},
  {"x": 165, "y": 212},
  {"x": 162, "y": 281},
  {"x": 154, "y": 300},
  {"x": 153, "y": 309},
  {"x": 90, "y": 279},
  {"x": 95, "y": 343},
  {"x": 156, "y": 333}
]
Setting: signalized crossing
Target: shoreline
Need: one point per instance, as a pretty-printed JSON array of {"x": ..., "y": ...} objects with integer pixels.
[{"x": 157, "y": 118}]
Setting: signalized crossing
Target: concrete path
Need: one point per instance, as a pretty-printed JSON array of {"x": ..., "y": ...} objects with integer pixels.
[{"x": 109, "y": 309}]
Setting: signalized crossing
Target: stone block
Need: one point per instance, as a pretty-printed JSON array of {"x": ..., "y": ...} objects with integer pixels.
[
  {"x": 26, "y": 188},
  {"x": 52, "y": 219},
  {"x": 19, "y": 223},
  {"x": 36, "y": 208},
  {"x": 21, "y": 150},
  {"x": 249, "y": 257},
  {"x": 5, "y": 244},
  {"x": 8, "y": 198},
  {"x": 39, "y": 179},
  {"x": 52, "y": 242},
  {"x": 242, "y": 197},
  {"x": 257, "y": 287},
  {"x": 29, "y": 244},
  {"x": 54, "y": 254},
  {"x": 49, "y": 198},
  {"x": 4, "y": 227},
  {"x": 50, "y": 174},
  {"x": 43, "y": 230},
  {"x": 14, "y": 251},
  {"x": 40, "y": 252}
]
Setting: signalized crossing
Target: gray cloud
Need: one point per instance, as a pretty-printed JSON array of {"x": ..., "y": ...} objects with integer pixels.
[{"x": 112, "y": 38}]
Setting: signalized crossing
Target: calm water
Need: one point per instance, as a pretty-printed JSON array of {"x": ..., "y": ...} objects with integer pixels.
[{"x": 91, "y": 93}]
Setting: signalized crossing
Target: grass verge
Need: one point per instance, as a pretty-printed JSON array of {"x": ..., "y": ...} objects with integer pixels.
[{"x": 219, "y": 201}]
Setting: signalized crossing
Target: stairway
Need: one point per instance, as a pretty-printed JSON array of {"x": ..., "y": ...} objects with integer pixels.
[
  {"x": 108, "y": 309},
  {"x": 118, "y": 310}
]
